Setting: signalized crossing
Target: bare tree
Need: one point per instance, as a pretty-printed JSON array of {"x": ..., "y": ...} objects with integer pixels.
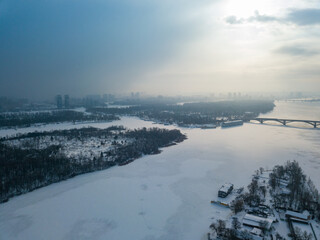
[
  {"x": 253, "y": 187},
  {"x": 219, "y": 227},
  {"x": 236, "y": 223},
  {"x": 261, "y": 170},
  {"x": 237, "y": 205}
]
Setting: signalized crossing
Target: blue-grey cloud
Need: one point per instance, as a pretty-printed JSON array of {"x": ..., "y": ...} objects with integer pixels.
[
  {"x": 297, "y": 51},
  {"x": 262, "y": 18},
  {"x": 301, "y": 17},
  {"x": 310, "y": 16},
  {"x": 233, "y": 20}
]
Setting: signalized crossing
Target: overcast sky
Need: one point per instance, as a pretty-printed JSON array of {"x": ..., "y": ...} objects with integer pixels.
[{"x": 159, "y": 47}]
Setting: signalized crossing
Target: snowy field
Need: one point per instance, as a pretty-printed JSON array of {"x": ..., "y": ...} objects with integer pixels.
[
  {"x": 158, "y": 197},
  {"x": 74, "y": 147},
  {"x": 129, "y": 122}
]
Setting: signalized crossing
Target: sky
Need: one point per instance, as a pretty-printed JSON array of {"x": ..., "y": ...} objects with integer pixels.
[{"x": 80, "y": 47}]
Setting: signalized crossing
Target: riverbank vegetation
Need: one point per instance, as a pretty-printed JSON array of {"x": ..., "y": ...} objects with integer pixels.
[
  {"x": 26, "y": 119},
  {"x": 193, "y": 113}
]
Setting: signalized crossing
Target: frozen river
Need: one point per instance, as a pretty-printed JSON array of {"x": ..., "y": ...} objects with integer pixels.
[{"x": 165, "y": 196}]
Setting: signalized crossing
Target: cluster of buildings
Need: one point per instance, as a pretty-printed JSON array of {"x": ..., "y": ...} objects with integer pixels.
[
  {"x": 63, "y": 103},
  {"x": 88, "y": 101},
  {"x": 298, "y": 223},
  {"x": 263, "y": 222}
]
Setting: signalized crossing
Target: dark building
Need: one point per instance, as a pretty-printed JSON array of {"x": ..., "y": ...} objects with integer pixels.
[
  {"x": 93, "y": 100},
  {"x": 225, "y": 190},
  {"x": 66, "y": 101},
  {"x": 232, "y": 123},
  {"x": 59, "y": 101}
]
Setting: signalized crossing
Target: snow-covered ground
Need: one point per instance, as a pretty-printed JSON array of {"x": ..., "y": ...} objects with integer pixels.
[
  {"x": 158, "y": 197},
  {"x": 303, "y": 228},
  {"x": 130, "y": 122},
  {"x": 73, "y": 147},
  {"x": 316, "y": 228}
]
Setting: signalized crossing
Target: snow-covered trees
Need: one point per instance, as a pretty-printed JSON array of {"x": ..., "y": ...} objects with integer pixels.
[
  {"x": 20, "y": 119},
  {"x": 302, "y": 235},
  {"x": 192, "y": 113},
  {"x": 44, "y": 160},
  {"x": 301, "y": 194},
  {"x": 236, "y": 224},
  {"x": 237, "y": 205},
  {"x": 219, "y": 228}
]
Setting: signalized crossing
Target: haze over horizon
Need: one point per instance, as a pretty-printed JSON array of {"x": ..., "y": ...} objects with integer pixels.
[{"x": 161, "y": 47}]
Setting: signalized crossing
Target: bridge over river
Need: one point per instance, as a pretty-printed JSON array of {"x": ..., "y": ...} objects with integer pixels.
[{"x": 285, "y": 121}]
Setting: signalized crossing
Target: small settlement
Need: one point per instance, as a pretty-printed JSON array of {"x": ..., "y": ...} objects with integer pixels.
[{"x": 269, "y": 209}]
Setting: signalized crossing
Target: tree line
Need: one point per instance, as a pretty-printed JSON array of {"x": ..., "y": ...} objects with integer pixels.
[
  {"x": 302, "y": 195},
  {"x": 193, "y": 113},
  {"x": 25, "y": 119}
]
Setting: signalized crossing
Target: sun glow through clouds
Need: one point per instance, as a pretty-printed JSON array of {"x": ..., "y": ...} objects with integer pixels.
[{"x": 247, "y": 8}]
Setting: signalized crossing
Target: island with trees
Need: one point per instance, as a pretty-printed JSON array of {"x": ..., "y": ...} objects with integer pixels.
[{"x": 33, "y": 160}]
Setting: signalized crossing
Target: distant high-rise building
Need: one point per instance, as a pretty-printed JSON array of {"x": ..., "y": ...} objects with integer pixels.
[
  {"x": 66, "y": 101},
  {"x": 135, "y": 95},
  {"x": 93, "y": 100},
  {"x": 108, "y": 98},
  {"x": 59, "y": 101}
]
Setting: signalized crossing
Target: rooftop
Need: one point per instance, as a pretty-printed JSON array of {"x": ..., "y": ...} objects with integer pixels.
[
  {"x": 225, "y": 187},
  {"x": 296, "y": 215},
  {"x": 256, "y": 221},
  {"x": 256, "y": 231}
]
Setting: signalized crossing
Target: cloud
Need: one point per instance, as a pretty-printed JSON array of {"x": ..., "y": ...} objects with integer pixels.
[
  {"x": 300, "y": 17},
  {"x": 233, "y": 20},
  {"x": 256, "y": 18},
  {"x": 262, "y": 18},
  {"x": 296, "y": 51}
]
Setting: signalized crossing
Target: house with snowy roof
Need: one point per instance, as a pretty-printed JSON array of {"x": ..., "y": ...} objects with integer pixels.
[
  {"x": 225, "y": 190},
  {"x": 299, "y": 217},
  {"x": 257, "y": 222}
]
